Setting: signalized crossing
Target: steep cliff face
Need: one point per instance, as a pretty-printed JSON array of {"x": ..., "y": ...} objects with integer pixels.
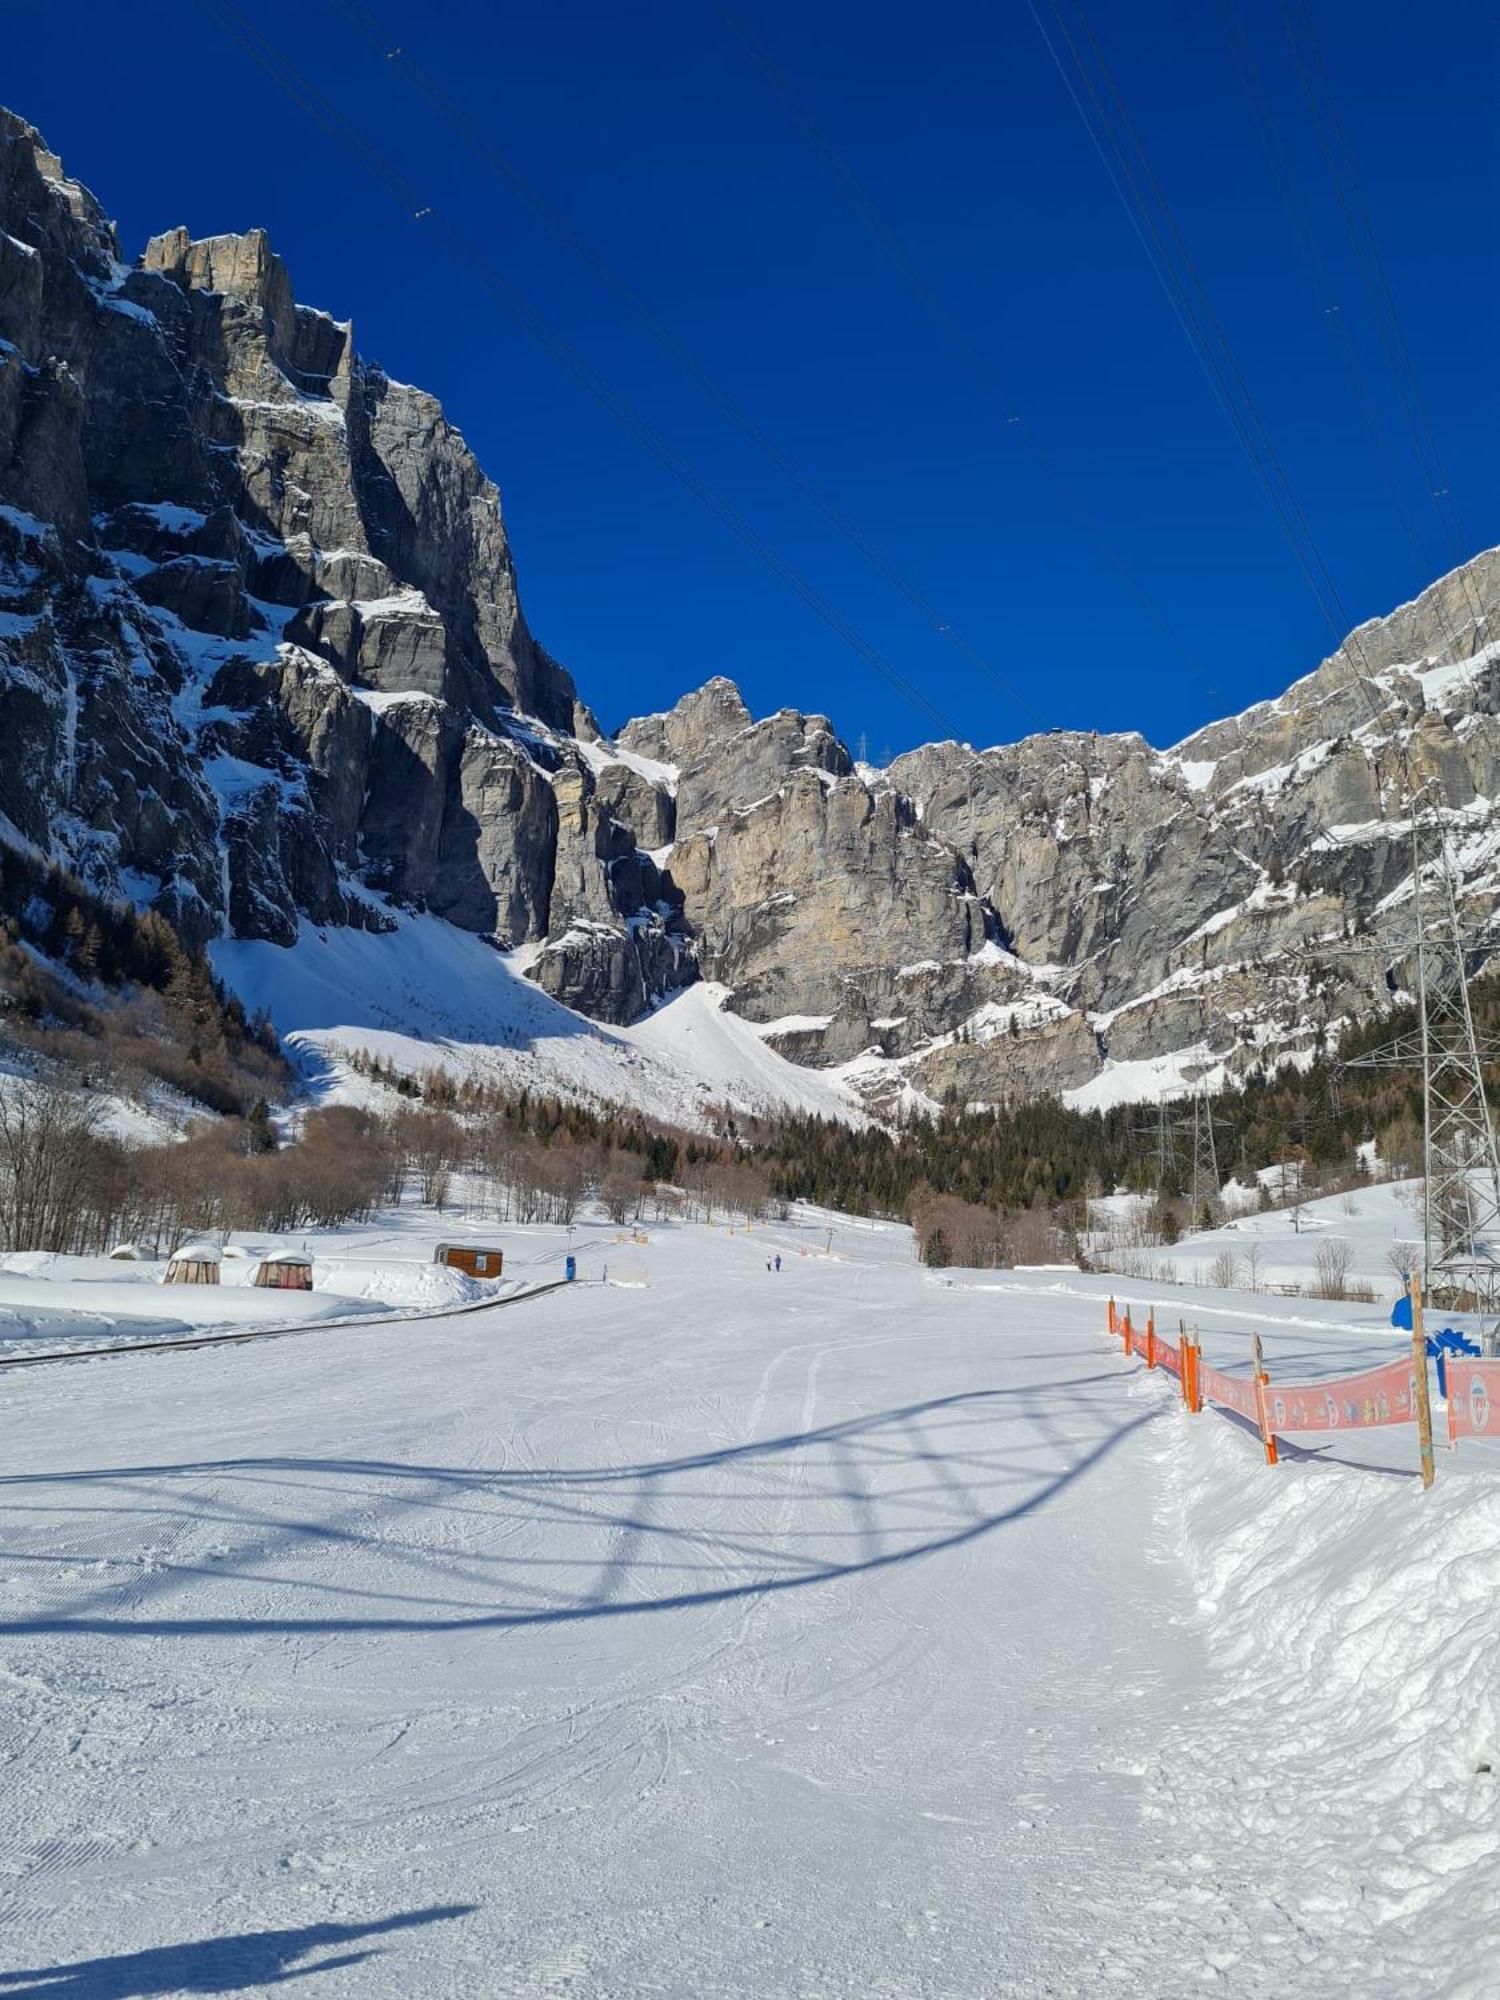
[
  {"x": 263, "y": 664},
  {"x": 264, "y": 650}
]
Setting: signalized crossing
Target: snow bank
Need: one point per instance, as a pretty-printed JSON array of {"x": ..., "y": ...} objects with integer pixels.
[{"x": 1333, "y": 1775}]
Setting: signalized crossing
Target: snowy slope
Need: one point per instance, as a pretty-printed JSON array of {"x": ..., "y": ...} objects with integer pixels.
[
  {"x": 428, "y": 995},
  {"x": 840, "y": 1632},
  {"x": 1369, "y": 1222}
]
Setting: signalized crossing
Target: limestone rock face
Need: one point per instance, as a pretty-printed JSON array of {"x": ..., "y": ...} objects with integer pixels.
[
  {"x": 262, "y": 656},
  {"x": 821, "y": 883},
  {"x": 263, "y": 663}
]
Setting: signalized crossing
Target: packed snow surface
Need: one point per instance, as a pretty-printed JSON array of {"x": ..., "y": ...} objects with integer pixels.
[{"x": 845, "y": 1631}]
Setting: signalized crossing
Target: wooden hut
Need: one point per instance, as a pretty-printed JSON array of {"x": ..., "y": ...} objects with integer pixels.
[
  {"x": 479, "y": 1263},
  {"x": 284, "y": 1271},
  {"x": 193, "y": 1264}
]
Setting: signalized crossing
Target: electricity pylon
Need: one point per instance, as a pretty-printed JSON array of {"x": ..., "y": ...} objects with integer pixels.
[
  {"x": 1460, "y": 1164},
  {"x": 1206, "y": 1185}
]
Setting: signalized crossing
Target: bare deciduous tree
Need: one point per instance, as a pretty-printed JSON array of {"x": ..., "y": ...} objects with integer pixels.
[
  {"x": 1224, "y": 1272},
  {"x": 1332, "y": 1267},
  {"x": 47, "y": 1142}
]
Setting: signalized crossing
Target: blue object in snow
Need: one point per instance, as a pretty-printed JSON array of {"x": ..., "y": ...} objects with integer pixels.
[
  {"x": 1401, "y": 1313},
  {"x": 570, "y": 1269}
]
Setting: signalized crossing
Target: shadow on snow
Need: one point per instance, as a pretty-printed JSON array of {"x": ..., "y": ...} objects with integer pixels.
[
  {"x": 214, "y": 1965},
  {"x": 847, "y": 1499}
]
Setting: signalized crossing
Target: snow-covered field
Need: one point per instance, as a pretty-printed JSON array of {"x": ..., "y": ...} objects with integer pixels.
[
  {"x": 51, "y": 1304},
  {"x": 1278, "y": 1248},
  {"x": 847, "y": 1631}
]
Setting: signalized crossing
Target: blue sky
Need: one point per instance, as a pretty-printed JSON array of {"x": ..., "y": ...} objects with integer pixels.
[{"x": 1149, "y": 587}]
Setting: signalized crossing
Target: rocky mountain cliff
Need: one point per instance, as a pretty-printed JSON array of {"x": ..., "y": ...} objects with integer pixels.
[{"x": 263, "y": 664}]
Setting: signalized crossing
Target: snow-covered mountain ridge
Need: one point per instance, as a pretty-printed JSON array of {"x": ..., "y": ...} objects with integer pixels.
[{"x": 263, "y": 665}]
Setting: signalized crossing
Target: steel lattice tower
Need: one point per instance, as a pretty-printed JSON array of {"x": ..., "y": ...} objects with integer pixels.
[
  {"x": 1460, "y": 1163},
  {"x": 1206, "y": 1184}
]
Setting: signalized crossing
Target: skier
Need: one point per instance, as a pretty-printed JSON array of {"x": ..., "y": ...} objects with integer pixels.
[{"x": 778, "y": 1260}]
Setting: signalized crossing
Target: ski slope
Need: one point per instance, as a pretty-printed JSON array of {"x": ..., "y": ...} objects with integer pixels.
[{"x": 847, "y": 1631}]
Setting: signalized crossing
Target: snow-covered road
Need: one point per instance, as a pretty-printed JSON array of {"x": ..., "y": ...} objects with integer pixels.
[{"x": 821, "y": 1633}]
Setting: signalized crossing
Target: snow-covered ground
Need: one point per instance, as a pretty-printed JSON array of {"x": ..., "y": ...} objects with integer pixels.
[
  {"x": 429, "y": 996},
  {"x": 847, "y": 1631},
  {"x": 50, "y": 1303},
  {"x": 1280, "y": 1247}
]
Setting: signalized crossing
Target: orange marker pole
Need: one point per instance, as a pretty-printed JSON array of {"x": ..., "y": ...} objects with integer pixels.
[
  {"x": 1151, "y": 1336},
  {"x": 1110, "y": 1322},
  {"x": 1262, "y": 1383}
]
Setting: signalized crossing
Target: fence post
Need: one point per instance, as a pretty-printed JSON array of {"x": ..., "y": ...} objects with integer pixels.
[
  {"x": 1111, "y": 1320},
  {"x": 1185, "y": 1351},
  {"x": 1262, "y": 1381},
  {"x": 1196, "y": 1403},
  {"x": 1419, "y": 1378},
  {"x": 1151, "y": 1336}
]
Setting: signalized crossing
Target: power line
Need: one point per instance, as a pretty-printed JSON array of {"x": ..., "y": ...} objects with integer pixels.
[
  {"x": 483, "y": 149},
  {"x": 461, "y": 250},
  {"x": 1359, "y": 224},
  {"x": 1140, "y": 193},
  {"x": 972, "y": 362},
  {"x": 1320, "y": 275}
]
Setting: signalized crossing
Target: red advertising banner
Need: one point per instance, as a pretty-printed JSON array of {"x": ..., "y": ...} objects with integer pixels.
[
  {"x": 1473, "y": 1398},
  {"x": 1352, "y": 1402},
  {"x": 1230, "y": 1392}
]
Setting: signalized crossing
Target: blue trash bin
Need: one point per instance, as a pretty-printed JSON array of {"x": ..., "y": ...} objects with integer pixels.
[{"x": 570, "y": 1269}]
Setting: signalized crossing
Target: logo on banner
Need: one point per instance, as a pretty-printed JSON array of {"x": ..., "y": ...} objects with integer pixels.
[{"x": 1479, "y": 1403}]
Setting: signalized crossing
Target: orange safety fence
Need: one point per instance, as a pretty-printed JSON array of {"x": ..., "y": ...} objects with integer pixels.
[
  {"x": 1385, "y": 1395},
  {"x": 1473, "y": 1398},
  {"x": 1230, "y": 1392},
  {"x": 1391, "y": 1394}
]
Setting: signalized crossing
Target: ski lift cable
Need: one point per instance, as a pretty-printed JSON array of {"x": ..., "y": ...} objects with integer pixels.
[
  {"x": 467, "y": 255},
  {"x": 490, "y": 156}
]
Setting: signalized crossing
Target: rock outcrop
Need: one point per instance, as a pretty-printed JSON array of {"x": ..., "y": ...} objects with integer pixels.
[
  {"x": 264, "y": 655},
  {"x": 263, "y": 662}
]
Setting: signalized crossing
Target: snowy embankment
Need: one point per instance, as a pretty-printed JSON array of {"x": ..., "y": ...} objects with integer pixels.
[
  {"x": 1335, "y": 1781},
  {"x": 837, "y": 1630},
  {"x": 428, "y": 996}
]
